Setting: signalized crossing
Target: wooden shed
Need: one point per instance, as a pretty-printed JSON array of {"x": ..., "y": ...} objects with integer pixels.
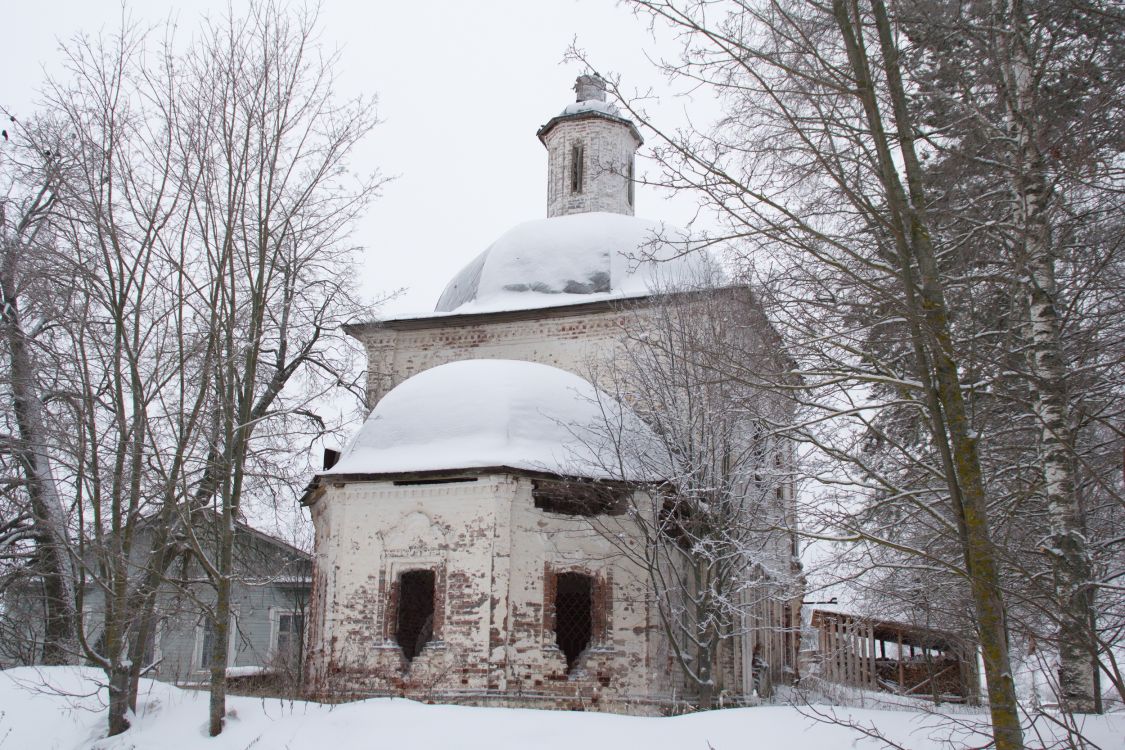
[{"x": 896, "y": 657}]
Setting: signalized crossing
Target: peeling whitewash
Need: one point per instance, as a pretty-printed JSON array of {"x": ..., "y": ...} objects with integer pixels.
[
  {"x": 493, "y": 553},
  {"x": 497, "y": 560}
]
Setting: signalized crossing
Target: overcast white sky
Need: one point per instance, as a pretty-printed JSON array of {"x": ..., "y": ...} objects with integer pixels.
[{"x": 462, "y": 88}]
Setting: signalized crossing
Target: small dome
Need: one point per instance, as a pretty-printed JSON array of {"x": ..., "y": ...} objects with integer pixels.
[
  {"x": 494, "y": 413},
  {"x": 571, "y": 259}
]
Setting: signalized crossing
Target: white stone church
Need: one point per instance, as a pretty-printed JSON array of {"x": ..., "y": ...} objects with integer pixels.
[{"x": 455, "y": 556}]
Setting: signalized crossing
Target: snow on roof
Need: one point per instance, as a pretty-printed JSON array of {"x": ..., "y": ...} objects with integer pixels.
[
  {"x": 491, "y": 413},
  {"x": 575, "y": 258},
  {"x": 592, "y": 105}
]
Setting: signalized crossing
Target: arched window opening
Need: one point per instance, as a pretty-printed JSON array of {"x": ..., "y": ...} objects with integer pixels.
[
  {"x": 415, "y": 621},
  {"x": 574, "y": 617},
  {"x": 577, "y": 167}
]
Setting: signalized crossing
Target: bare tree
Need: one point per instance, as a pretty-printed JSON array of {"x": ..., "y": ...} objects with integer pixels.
[
  {"x": 128, "y": 319},
  {"x": 717, "y": 535},
  {"x": 202, "y": 271},
  {"x": 271, "y": 213},
  {"x": 39, "y": 514},
  {"x": 817, "y": 168},
  {"x": 1028, "y": 93}
]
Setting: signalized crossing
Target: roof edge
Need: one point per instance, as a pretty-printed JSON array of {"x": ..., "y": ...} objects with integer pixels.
[
  {"x": 450, "y": 320},
  {"x": 316, "y": 487},
  {"x": 589, "y": 114}
]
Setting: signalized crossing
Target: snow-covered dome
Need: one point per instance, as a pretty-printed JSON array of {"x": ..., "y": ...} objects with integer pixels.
[
  {"x": 494, "y": 413},
  {"x": 571, "y": 259}
]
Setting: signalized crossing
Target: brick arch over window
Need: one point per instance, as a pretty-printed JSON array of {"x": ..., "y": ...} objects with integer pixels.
[{"x": 393, "y": 598}]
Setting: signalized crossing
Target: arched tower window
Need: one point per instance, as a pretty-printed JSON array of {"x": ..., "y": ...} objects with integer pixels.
[
  {"x": 577, "y": 167},
  {"x": 630, "y": 177}
]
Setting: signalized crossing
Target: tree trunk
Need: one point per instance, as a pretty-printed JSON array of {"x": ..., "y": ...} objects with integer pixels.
[
  {"x": 706, "y": 678},
  {"x": 60, "y": 628},
  {"x": 118, "y": 698},
  {"x": 966, "y": 484},
  {"x": 1066, "y": 544},
  {"x": 221, "y": 624}
]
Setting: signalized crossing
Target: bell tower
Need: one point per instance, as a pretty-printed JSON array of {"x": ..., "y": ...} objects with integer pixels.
[{"x": 590, "y": 154}]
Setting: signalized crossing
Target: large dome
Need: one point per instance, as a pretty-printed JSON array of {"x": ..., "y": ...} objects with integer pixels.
[
  {"x": 496, "y": 413},
  {"x": 571, "y": 259}
]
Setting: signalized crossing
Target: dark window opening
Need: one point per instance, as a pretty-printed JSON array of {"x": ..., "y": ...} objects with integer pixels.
[
  {"x": 415, "y": 626},
  {"x": 574, "y": 616},
  {"x": 443, "y": 480},
  {"x": 677, "y": 520},
  {"x": 578, "y": 498},
  {"x": 577, "y": 156},
  {"x": 631, "y": 183}
]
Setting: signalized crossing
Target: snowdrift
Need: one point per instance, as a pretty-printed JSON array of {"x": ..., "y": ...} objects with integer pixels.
[{"x": 63, "y": 708}]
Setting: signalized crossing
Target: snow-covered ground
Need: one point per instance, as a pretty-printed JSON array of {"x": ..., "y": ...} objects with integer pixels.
[{"x": 63, "y": 708}]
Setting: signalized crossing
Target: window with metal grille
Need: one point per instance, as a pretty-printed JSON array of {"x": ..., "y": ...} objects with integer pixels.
[
  {"x": 415, "y": 621},
  {"x": 574, "y": 616}
]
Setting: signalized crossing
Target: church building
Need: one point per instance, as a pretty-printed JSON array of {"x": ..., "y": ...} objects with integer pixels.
[{"x": 455, "y": 558}]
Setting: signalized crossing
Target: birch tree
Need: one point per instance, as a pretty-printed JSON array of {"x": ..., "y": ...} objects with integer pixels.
[
  {"x": 1025, "y": 97},
  {"x": 817, "y": 167}
]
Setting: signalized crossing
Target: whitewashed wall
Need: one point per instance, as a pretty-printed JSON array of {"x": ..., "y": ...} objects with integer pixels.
[{"x": 493, "y": 553}]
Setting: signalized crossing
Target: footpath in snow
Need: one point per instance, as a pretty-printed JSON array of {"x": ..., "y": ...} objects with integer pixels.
[{"x": 62, "y": 708}]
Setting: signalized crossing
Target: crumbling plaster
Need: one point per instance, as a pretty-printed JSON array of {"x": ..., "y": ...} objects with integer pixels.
[
  {"x": 494, "y": 554},
  {"x": 576, "y": 340}
]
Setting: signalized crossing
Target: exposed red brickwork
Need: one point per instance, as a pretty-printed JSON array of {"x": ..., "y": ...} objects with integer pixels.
[
  {"x": 550, "y": 587},
  {"x": 602, "y": 607},
  {"x": 394, "y": 356},
  {"x": 496, "y": 558},
  {"x": 390, "y": 592}
]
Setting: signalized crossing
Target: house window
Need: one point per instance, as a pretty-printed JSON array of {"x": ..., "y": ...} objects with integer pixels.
[
  {"x": 414, "y": 626},
  {"x": 205, "y": 642},
  {"x": 577, "y": 167},
  {"x": 289, "y": 641},
  {"x": 574, "y": 615}
]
